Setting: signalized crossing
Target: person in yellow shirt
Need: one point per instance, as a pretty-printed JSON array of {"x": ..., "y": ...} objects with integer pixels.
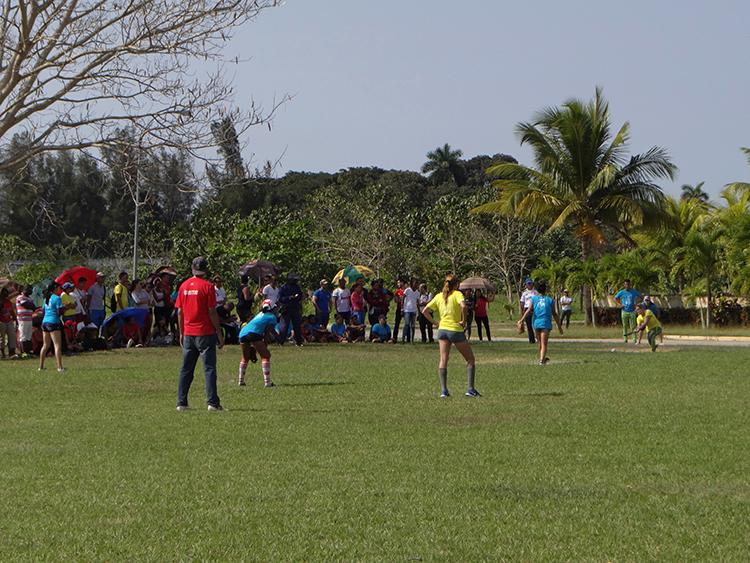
[
  {"x": 647, "y": 321},
  {"x": 451, "y": 308},
  {"x": 122, "y": 293}
]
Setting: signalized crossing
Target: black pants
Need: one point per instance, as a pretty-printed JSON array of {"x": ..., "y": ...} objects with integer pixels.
[
  {"x": 469, "y": 321},
  {"x": 425, "y": 328},
  {"x": 565, "y": 317},
  {"x": 486, "y": 322},
  {"x": 396, "y": 323},
  {"x": 295, "y": 318},
  {"x": 530, "y": 329}
]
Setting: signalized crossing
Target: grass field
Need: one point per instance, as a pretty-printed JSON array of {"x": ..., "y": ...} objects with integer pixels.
[{"x": 597, "y": 456}]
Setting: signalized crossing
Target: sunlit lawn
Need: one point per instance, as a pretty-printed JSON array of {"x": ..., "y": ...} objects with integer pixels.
[{"x": 598, "y": 456}]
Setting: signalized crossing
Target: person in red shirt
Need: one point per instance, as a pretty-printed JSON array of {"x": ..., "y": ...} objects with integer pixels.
[
  {"x": 200, "y": 332},
  {"x": 7, "y": 325},
  {"x": 480, "y": 313}
]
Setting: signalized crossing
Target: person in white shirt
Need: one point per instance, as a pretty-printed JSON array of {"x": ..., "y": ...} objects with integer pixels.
[
  {"x": 565, "y": 307},
  {"x": 221, "y": 293},
  {"x": 526, "y": 295},
  {"x": 342, "y": 299},
  {"x": 82, "y": 298},
  {"x": 410, "y": 308},
  {"x": 425, "y": 327},
  {"x": 270, "y": 291}
]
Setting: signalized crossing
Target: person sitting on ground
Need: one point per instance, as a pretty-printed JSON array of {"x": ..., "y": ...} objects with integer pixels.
[
  {"x": 647, "y": 321},
  {"x": 355, "y": 330},
  {"x": 87, "y": 335},
  {"x": 381, "y": 332},
  {"x": 338, "y": 329},
  {"x": 161, "y": 336},
  {"x": 131, "y": 333}
]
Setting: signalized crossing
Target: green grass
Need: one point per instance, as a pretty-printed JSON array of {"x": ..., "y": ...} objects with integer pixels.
[{"x": 597, "y": 456}]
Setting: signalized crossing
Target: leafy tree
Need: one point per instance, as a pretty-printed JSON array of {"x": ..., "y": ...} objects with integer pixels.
[
  {"x": 697, "y": 259},
  {"x": 582, "y": 178},
  {"x": 695, "y": 192},
  {"x": 444, "y": 165}
]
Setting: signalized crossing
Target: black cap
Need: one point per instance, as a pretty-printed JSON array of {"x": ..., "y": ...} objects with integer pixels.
[
  {"x": 200, "y": 266},
  {"x": 291, "y": 276}
]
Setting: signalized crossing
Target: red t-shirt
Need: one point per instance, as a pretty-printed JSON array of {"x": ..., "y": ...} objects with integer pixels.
[
  {"x": 194, "y": 298},
  {"x": 130, "y": 330},
  {"x": 480, "y": 307},
  {"x": 6, "y": 312}
]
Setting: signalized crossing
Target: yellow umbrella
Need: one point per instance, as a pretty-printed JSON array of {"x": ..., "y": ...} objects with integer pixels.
[{"x": 352, "y": 273}]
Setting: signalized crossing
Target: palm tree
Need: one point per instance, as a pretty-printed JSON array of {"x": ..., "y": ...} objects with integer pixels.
[
  {"x": 586, "y": 274},
  {"x": 695, "y": 192},
  {"x": 741, "y": 186},
  {"x": 698, "y": 259},
  {"x": 444, "y": 164},
  {"x": 582, "y": 177}
]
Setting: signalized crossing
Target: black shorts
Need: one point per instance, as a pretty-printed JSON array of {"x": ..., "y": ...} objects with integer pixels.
[
  {"x": 51, "y": 327},
  {"x": 251, "y": 337}
]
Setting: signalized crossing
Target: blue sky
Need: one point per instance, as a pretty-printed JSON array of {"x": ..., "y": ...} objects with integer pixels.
[{"x": 381, "y": 83}]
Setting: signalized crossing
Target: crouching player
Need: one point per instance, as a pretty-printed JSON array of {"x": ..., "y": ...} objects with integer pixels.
[
  {"x": 253, "y": 339},
  {"x": 647, "y": 321}
]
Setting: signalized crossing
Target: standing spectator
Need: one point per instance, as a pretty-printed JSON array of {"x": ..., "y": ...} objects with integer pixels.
[
  {"x": 200, "y": 333},
  {"x": 469, "y": 301},
  {"x": 82, "y": 300},
  {"x": 24, "y": 314},
  {"x": 451, "y": 308},
  {"x": 96, "y": 301},
  {"x": 142, "y": 300},
  {"x": 398, "y": 298},
  {"x": 271, "y": 291},
  {"x": 425, "y": 326},
  {"x": 221, "y": 293},
  {"x": 322, "y": 301},
  {"x": 342, "y": 300},
  {"x": 7, "y": 324},
  {"x": 159, "y": 298},
  {"x": 626, "y": 298},
  {"x": 527, "y": 294},
  {"x": 121, "y": 293},
  {"x": 481, "y": 303},
  {"x": 244, "y": 300},
  {"x": 52, "y": 327},
  {"x": 378, "y": 298},
  {"x": 358, "y": 303},
  {"x": 410, "y": 306},
  {"x": 70, "y": 302},
  {"x": 566, "y": 307},
  {"x": 290, "y": 299}
]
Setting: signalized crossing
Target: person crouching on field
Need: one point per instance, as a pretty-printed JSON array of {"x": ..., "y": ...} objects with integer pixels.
[
  {"x": 542, "y": 307},
  {"x": 253, "y": 339},
  {"x": 647, "y": 321},
  {"x": 451, "y": 306}
]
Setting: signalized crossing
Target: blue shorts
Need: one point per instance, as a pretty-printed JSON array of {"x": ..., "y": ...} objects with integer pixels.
[
  {"x": 51, "y": 327},
  {"x": 452, "y": 336},
  {"x": 97, "y": 317}
]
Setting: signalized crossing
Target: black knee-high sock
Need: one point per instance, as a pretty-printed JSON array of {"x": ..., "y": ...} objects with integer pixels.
[
  {"x": 470, "y": 372},
  {"x": 443, "y": 374}
]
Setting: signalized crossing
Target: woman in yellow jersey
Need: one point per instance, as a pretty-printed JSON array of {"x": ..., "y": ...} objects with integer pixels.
[
  {"x": 647, "y": 321},
  {"x": 451, "y": 308}
]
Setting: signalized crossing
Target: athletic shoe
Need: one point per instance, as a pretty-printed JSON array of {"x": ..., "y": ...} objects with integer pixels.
[
  {"x": 541, "y": 363},
  {"x": 139, "y": 345},
  {"x": 444, "y": 394},
  {"x": 545, "y": 360},
  {"x": 300, "y": 345},
  {"x": 60, "y": 370},
  {"x": 241, "y": 383},
  {"x": 472, "y": 393},
  {"x": 182, "y": 408},
  {"x": 269, "y": 384},
  {"x": 654, "y": 347},
  {"x": 130, "y": 343},
  {"x": 40, "y": 369},
  {"x": 215, "y": 408}
]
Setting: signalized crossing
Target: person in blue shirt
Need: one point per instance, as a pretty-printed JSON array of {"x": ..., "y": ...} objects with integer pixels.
[
  {"x": 322, "y": 301},
  {"x": 627, "y": 297},
  {"x": 380, "y": 332},
  {"x": 338, "y": 329},
  {"x": 52, "y": 326},
  {"x": 542, "y": 309},
  {"x": 253, "y": 339}
]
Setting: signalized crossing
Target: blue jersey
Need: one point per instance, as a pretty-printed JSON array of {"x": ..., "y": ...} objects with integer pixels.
[
  {"x": 323, "y": 299},
  {"x": 259, "y": 324},
  {"x": 627, "y": 297},
  {"x": 52, "y": 310},
  {"x": 382, "y": 332},
  {"x": 542, "y": 307},
  {"x": 338, "y": 329}
]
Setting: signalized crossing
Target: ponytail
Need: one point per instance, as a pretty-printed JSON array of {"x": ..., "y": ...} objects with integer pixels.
[
  {"x": 450, "y": 285},
  {"x": 48, "y": 292}
]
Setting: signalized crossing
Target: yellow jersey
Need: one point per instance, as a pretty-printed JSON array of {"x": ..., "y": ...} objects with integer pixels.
[
  {"x": 68, "y": 299},
  {"x": 649, "y": 318},
  {"x": 450, "y": 312}
]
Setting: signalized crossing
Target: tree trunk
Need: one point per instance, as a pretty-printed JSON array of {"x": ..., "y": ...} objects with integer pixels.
[
  {"x": 708, "y": 302},
  {"x": 588, "y": 302}
]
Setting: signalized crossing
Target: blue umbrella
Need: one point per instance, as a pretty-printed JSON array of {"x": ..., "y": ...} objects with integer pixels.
[{"x": 119, "y": 316}]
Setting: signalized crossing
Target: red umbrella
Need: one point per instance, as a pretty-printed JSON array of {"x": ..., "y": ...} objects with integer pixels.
[{"x": 74, "y": 274}]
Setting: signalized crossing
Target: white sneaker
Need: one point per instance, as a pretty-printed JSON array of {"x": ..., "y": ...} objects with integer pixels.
[
  {"x": 215, "y": 408},
  {"x": 130, "y": 343},
  {"x": 182, "y": 408},
  {"x": 60, "y": 370}
]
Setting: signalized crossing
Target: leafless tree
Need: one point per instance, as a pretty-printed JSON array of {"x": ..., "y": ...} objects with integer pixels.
[{"x": 73, "y": 72}]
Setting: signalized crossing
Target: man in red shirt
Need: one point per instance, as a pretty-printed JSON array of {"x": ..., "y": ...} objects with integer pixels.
[{"x": 200, "y": 331}]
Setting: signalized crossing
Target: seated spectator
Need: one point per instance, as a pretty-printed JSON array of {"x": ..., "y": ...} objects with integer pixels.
[
  {"x": 228, "y": 321},
  {"x": 88, "y": 335},
  {"x": 314, "y": 332},
  {"x": 380, "y": 332},
  {"x": 355, "y": 330},
  {"x": 339, "y": 330},
  {"x": 161, "y": 335},
  {"x": 130, "y": 333}
]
